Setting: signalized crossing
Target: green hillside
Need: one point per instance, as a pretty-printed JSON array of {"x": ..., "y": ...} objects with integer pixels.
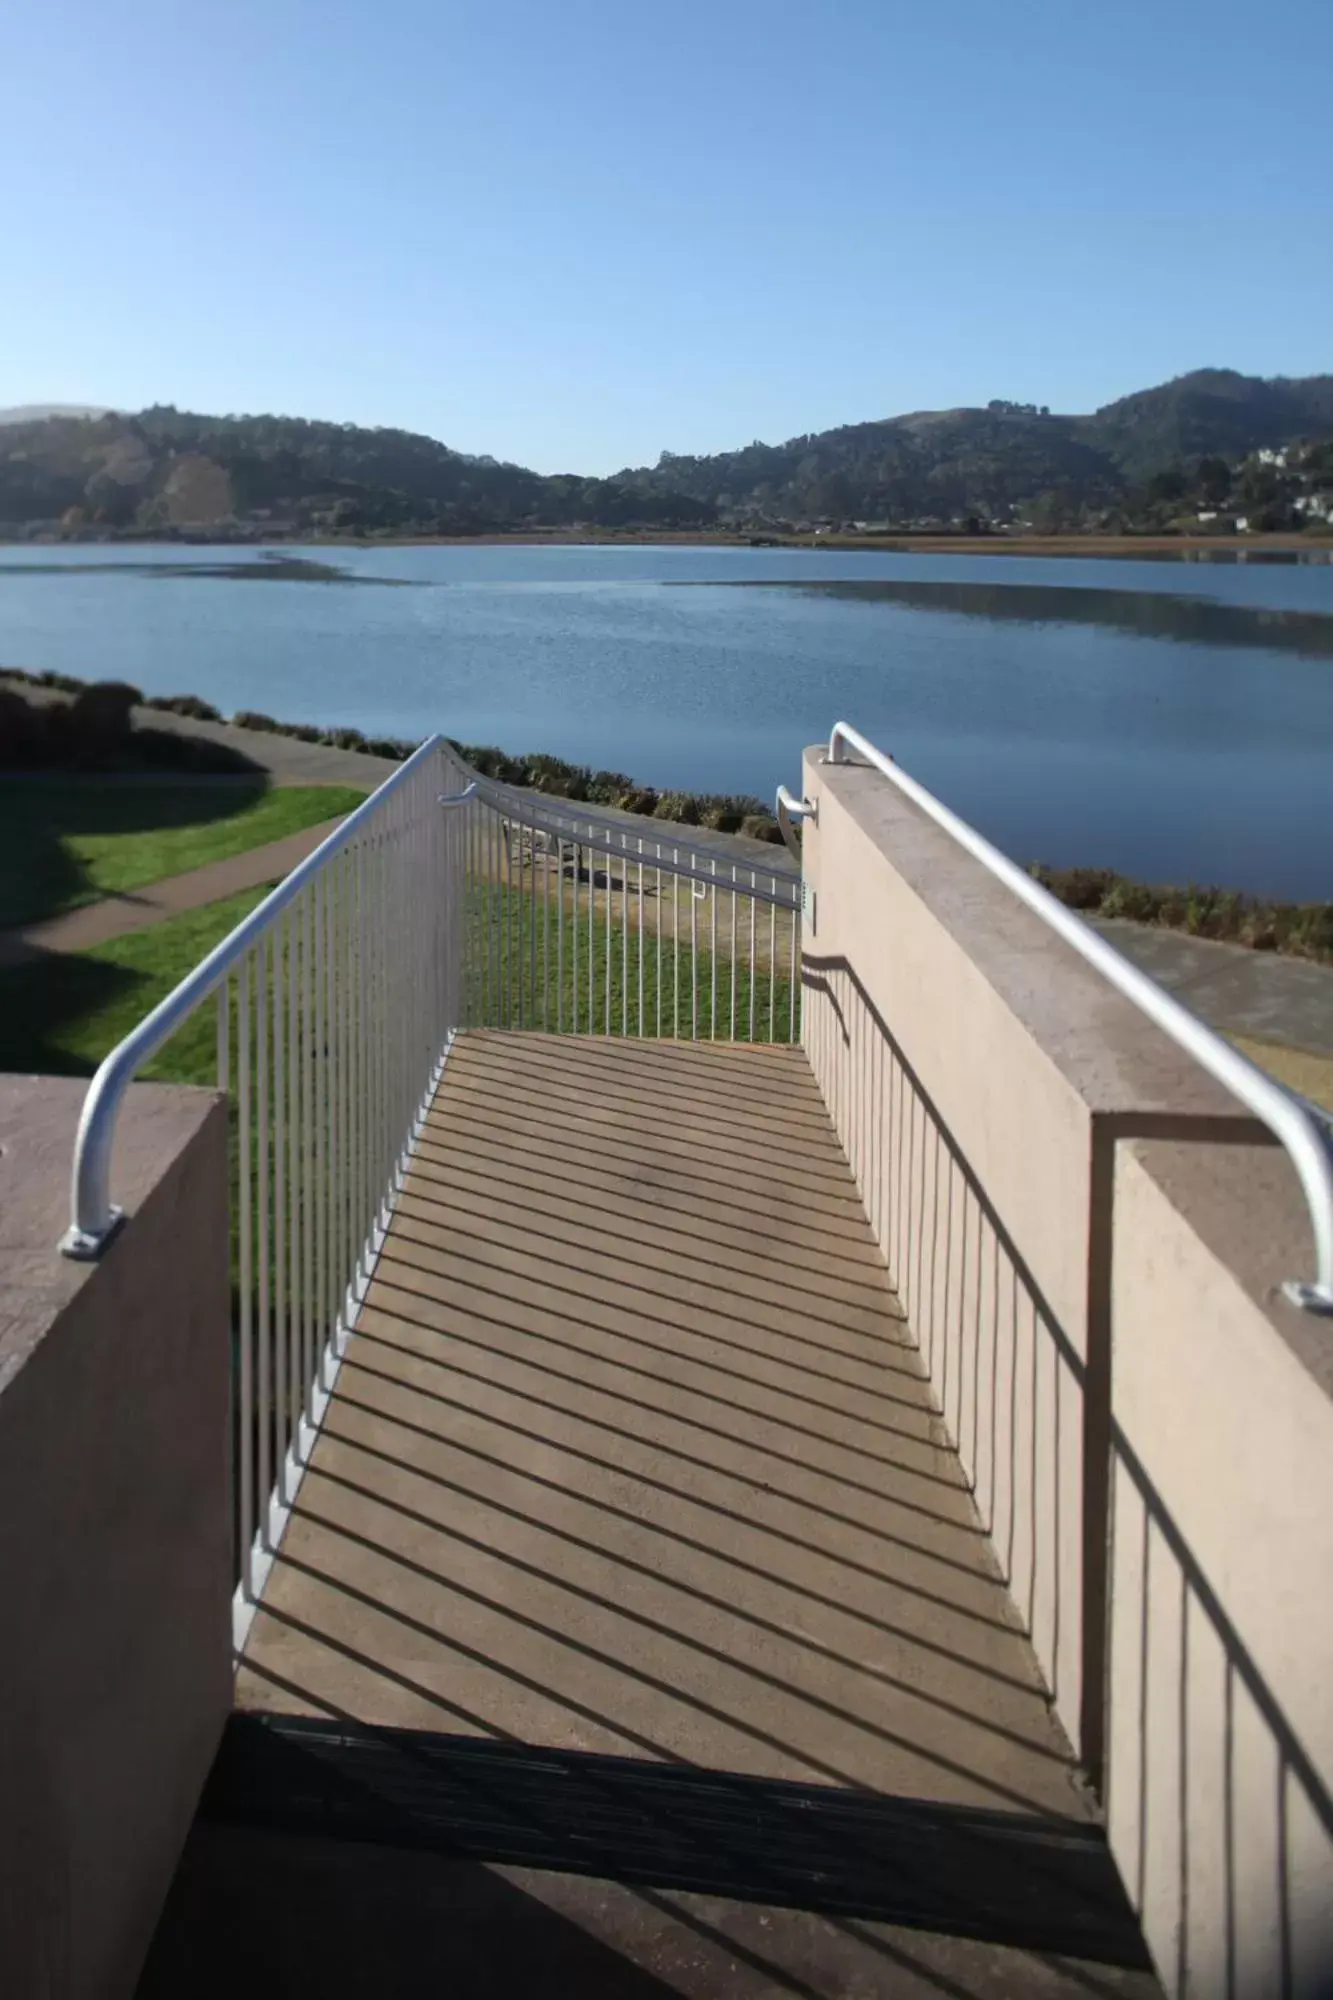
[
  {"x": 1008, "y": 456},
  {"x": 166, "y": 471}
]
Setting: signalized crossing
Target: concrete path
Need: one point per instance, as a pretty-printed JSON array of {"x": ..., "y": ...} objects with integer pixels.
[
  {"x": 1239, "y": 991},
  {"x": 113, "y": 916}
]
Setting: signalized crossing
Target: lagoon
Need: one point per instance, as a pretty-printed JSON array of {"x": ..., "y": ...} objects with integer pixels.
[{"x": 1171, "y": 720}]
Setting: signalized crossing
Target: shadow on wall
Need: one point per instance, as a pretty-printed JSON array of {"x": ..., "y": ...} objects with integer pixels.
[
  {"x": 1009, "y": 1379},
  {"x": 1227, "y": 1853},
  {"x": 1224, "y": 1831}
]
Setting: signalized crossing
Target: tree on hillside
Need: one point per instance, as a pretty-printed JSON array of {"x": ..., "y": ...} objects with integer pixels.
[{"x": 1214, "y": 480}]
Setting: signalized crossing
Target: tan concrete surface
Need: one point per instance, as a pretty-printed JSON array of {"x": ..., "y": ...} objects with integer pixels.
[
  {"x": 115, "y": 1531},
  {"x": 631, "y": 1452},
  {"x": 113, "y": 916}
]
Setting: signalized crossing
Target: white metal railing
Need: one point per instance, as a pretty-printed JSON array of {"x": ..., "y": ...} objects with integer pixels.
[
  {"x": 1304, "y": 1134},
  {"x": 445, "y": 900},
  {"x": 335, "y": 1003},
  {"x": 583, "y": 925}
]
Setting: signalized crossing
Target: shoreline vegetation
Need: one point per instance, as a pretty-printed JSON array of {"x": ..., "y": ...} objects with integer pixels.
[{"x": 1300, "y": 930}]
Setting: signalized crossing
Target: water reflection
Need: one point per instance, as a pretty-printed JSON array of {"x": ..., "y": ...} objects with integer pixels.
[
  {"x": 262, "y": 568},
  {"x": 1199, "y": 621}
]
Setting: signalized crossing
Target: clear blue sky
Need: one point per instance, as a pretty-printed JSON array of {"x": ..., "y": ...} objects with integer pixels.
[{"x": 574, "y": 232}]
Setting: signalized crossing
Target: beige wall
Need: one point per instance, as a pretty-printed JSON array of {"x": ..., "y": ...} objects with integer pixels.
[
  {"x": 1221, "y": 1645},
  {"x": 1088, "y": 1240},
  {"x": 977, "y": 1071},
  {"x": 115, "y": 1532}
]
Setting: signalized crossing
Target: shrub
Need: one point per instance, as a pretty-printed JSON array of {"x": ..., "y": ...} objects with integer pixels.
[
  {"x": 762, "y": 826},
  {"x": 94, "y": 733},
  {"x": 99, "y": 719},
  {"x": 249, "y": 718},
  {"x": 185, "y": 704},
  {"x": 21, "y": 731},
  {"x": 1130, "y": 899}
]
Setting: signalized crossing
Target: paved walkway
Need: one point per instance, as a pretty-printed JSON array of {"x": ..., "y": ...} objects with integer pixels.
[
  {"x": 1242, "y": 992},
  {"x": 113, "y": 916}
]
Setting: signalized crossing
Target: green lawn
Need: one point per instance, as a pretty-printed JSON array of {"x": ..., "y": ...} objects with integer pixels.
[
  {"x": 61, "y": 1013},
  {"x": 68, "y": 841},
  {"x": 519, "y": 978}
]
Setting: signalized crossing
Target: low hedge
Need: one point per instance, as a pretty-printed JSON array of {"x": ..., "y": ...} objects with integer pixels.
[{"x": 1303, "y": 930}]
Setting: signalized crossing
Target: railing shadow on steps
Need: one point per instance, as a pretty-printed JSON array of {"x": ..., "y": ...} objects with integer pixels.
[{"x": 446, "y": 901}]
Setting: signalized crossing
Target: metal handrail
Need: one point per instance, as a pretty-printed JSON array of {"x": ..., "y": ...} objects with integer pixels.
[
  {"x": 790, "y": 810},
  {"x": 1305, "y": 1137},
  {"x": 611, "y": 836},
  {"x": 93, "y": 1217}
]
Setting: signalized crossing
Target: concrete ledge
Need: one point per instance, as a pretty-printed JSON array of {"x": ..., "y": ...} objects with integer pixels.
[{"x": 115, "y": 1531}]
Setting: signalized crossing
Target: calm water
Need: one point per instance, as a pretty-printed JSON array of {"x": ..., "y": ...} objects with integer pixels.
[{"x": 1171, "y": 720}]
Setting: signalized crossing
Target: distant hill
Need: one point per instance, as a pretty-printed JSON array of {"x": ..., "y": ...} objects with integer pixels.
[
  {"x": 166, "y": 471},
  {"x": 28, "y": 413},
  {"x": 946, "y": 463}
]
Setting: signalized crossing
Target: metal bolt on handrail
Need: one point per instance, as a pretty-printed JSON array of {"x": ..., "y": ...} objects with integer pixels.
[{"x": 1294, "y": 1124}]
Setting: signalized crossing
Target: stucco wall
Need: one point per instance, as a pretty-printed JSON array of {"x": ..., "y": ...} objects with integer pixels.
[
  {"x": 115, "y": 1532},
  {"x": 1220, "y": 1763},
  {"x": 1088, "y": 1235},
  {"x": 978, "y": 1072}
]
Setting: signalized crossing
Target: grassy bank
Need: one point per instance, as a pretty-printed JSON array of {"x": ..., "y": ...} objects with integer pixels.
[
  {"x": 67, "y": 841},
  {"x": 60, "y": 1013},
  {"x": 1302, "y": 930}
]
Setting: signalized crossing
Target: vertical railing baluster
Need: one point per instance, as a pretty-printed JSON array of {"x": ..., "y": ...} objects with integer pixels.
[
  {"x": 732, "y": 1035},
  {"x": 575, "y": 928},
  {"x": 675, "y": 935},
  {"x": 281, "y": 1369},
  {"x": 245, "y": 1277},
  {"x": 754, "y": 967},
  {"x": 264, "y": 1350},
  {"x": 533, "y": 1008},
  {"x": 294, "y": 1184},
  {"x": 224, "y": 1037},
  {"x": 712, "y": 918},
  {"x": 310, "y": 1324},
  {"x": 694, "y": 962},
  {"x": 560, "y": 937},
  {"x": 642, "y": 1026},
  {"x": 546, "y": 929},
  {"x": 772, "y": 964}
]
